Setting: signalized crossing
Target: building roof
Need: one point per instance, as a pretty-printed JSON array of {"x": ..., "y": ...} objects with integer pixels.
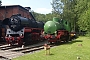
[{"x": 6, "y": 6}]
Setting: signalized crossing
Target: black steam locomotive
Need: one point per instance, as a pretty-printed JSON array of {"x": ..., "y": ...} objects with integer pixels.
[{"x": 21, "y": 29}]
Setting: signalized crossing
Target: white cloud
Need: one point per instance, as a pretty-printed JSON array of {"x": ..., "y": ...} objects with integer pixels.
[{"x": 43, "y": 10}]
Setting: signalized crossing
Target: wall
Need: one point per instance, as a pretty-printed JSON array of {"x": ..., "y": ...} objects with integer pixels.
[{"x": 9, "y": 11}]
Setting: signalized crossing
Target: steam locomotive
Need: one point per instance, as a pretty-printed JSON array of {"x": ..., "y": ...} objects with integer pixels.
[
  {"x": 22, "y": 30},
  {"x": 57, "y": 30}
]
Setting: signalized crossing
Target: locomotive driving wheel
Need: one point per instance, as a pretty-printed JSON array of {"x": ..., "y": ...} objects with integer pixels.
[{"x": 20, "y": 42}]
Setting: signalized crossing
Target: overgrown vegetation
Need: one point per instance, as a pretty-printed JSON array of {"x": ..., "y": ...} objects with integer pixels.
[{"x": 74, "y": 50}]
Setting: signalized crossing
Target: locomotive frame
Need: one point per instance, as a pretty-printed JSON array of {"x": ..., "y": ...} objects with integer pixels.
[
  {"x": 23, "y": 35},
  {"x": 61, "y": 36}
]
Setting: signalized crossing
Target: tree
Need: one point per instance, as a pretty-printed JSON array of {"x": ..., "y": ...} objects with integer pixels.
[
  {"x": 84, "y": 15},
  {"x": 65, "y": 8},
  {"x": 38, "y": 16},
  {"x": 57, "y": 6}
]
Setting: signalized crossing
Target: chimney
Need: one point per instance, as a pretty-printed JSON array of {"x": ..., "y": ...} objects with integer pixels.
[{"x": 28, "y": 8}]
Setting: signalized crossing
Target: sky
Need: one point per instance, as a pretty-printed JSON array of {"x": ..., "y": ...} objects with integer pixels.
[{"x": 39, "y": 6}]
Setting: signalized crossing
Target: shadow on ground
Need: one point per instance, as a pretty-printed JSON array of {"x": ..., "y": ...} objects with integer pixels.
[
  {"x": 70, "y": 42},
  {"x": 74, "y": 41}
]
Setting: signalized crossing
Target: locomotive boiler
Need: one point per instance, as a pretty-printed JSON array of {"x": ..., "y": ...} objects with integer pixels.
[
  {"x": 57, "y": 30},
  {"x": 22, "y": 29}
]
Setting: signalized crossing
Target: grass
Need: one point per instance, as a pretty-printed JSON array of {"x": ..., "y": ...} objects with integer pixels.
[{"x": 69, "y": 51}]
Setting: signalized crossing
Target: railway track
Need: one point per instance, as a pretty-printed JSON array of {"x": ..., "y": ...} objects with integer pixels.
[
  {"x": 14, "y": 51},
  {"x": 30, "y": 49},
  {"x": 26, "y": 49}
]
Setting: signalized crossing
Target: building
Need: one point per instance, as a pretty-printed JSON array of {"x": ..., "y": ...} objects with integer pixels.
[{"x": 8, "y": 11}]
